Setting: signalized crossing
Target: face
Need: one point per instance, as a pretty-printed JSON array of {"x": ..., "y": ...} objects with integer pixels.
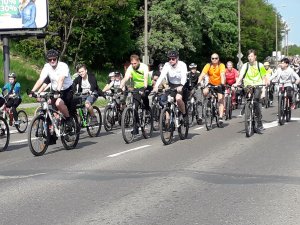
[
  {"x": 283, "y": 65},
  {"x": 52, "y": 61},
  {"x": 117, "y": 77},
  {"x": 229, "y": 66},
  {"x": 214, "y": 58},
  {"x": 251, "y": 58},
  {"x": 194, "y": 70},
  {"x": 135, "y": 63},
  {"x": 154, "y": 80},
  {"x": 82, "y": 72},
  {"x": 11, "y": 80},
  {"x": 173, "y": 61}
]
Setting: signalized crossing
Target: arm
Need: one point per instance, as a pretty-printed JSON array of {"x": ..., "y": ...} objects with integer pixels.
[
  {"x": 126, "y": 77},
  {"x": 184, "y": 75},
  {"x": 163, "y": 75},
  {"x": 146, "y": 74},
  {"x": 222, "y": 73},
  {"x": 203, "y": 73},
  {"x": 296, "y": 77}
]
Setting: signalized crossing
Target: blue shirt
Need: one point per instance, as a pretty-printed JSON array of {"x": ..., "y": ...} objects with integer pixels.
[{"x": 16, "y": 91}]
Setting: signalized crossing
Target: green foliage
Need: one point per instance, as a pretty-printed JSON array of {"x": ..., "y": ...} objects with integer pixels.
[{"x": 294, "y": 50}]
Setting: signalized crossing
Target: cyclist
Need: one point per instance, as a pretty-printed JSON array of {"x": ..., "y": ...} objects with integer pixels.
[
  {"x": 114, "y": 81},
  {"x": 138, "y": 75},
  {"x": 216, "y": 73},
  {"x": 285, "y": 74},
  {"x": 269, "y": 72},
  {"x": 86, "y": 83},
  {"x": 231, "y": 74},
  {"x": 175, "y": 71},
  {"x": 61, "y": 83},
  {"x": 254, "y": 73},
  {"x": 13, "y": 96}
]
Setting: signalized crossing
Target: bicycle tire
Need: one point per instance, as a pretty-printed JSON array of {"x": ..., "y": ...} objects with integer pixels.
[
  {"x": 71, "y": 138},
  {"x": 155, "y": 115},
  {"x": 183, "y": 129},
  {"x": 147, "y": 124},
  {"x": 208, "y": 115},
  {"x": 128, "y": 124},
  {"x": 191, "y": 113},
  {"x": 230, "y": 108},
  {"x": 4, "y": 134},
  {"x": 249, "y": 129},
  {"x": 281, "y": 110},
  {"x": 167, "y": 126},
  {"x": 288, "y": 111},
  {"x": 94, "y": 129},
  {"x": 108, "y": 118},
  {"x": 23, "y": 121},
  {"x": 39, "y": 131}
]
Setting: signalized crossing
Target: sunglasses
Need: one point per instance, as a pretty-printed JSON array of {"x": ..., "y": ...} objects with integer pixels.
[
  {"x": 172, "y": 59},
  {"x": 214, "y": 58},
  {"x": 52, "y": 59}
]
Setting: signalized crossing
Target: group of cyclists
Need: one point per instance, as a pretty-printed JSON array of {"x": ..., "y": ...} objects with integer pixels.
[{"x": 173, "y": 75}]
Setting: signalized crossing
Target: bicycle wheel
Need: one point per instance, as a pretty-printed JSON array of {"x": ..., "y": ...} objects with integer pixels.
[
  {"x": 183, "y": 129},
  {"x": 108, "y": 118},
  {"x": 38, "y": 110},
  {"x": 155, "y": 115},
  {"x": 281, "y": 109},
  {"x": 4, "y": 134},
  {"x": 128, "y": 125},
  {"x": 228, "y": 108},
  {"x": 147, "y": 124},
  {"x": 288, "y": 111},
  {"x": 167, "y": 126},
  {"x": 38, "y": 135},
  {"x": 94, "y": 127},
  {"x": 23, "y": 121},
  {"x": 70, "y": 138},
  {"x": 191, "y": 113},
  {"x": 208, "y": 115},
  {"x": 267, "y": 101},
  {"x": 249, "y": 120}
]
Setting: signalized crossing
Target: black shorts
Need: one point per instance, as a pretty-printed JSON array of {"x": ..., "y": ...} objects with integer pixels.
[{"x": 220, "y": 89}]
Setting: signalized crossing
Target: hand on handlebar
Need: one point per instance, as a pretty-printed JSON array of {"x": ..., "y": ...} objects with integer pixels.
[{"x": 179, "y": 88}]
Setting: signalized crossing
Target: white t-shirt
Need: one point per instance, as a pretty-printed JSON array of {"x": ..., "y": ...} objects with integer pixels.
[
  {"x": 287, "y": 76},
  {"x": 174, "y": 75},
  {"x": 85, "y": 85},
  {"x": 61, "y": 69}
]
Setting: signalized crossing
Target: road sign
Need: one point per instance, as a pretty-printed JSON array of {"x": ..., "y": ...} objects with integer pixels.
[{"x": 240, "y": 55}]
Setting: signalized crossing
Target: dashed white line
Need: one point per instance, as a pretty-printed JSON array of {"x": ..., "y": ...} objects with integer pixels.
[
  {"x": 198, "y": 128},
  {"x": 20, "y": 141},
  {"x": 20, "y": 177},
  {"x": 130, "y": 150}
]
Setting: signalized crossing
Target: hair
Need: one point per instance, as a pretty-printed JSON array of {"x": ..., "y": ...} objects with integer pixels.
[
  {"x": 79, "y": 66},
  {"x": 230, "y": 62},
  {"x": 135, "y": 57},
  {"x": 285, "y": 60},
  {"x": 251, "y": 51}
]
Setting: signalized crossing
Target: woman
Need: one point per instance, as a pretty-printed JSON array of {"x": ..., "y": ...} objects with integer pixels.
[{"x": 27, "y": 11}]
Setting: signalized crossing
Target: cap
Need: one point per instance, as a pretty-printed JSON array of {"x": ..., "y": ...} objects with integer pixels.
[{"x": 266, "y": 64}]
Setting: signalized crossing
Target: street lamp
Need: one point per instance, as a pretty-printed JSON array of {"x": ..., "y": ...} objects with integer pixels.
[
  {"x": 240, "y": 55},
  {"x": 146, "y": 58}
]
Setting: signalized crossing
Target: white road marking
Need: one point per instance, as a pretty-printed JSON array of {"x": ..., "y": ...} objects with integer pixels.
[
  {"x": 295, "y": 118},
  {"x": 130, "y": 150},
  {"x": 198, "y": 128},
  {"x": 20, "y": 141},
  {"x": 271, "y": 124},
  {"x": 13, "y": 131},
  {"x": 20, "y": 177}
]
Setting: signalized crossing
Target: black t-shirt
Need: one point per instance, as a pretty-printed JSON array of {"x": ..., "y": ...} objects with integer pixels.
[{"x": 192, "y": 79}]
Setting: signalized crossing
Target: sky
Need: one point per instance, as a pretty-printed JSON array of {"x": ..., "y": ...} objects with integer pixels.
[{"x": 290, "y": 12}]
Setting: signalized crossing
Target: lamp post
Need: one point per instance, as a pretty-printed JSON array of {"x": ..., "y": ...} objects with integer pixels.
[
  {"x": 240, "y": 55},
  {"x": 146, "y": 57}
]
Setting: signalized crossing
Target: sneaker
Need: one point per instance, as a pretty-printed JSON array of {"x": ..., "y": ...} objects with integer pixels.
[
  {"x": 53, "y": 139},
  {"x": 271, "y": 102},
  {"x": 17, "y": 123},
  {"x": 135, "y": 131},
  {"x": 68, "y": 125},
  {"x": 199, "y": 121},
  {"x": 221, "y": 121}
]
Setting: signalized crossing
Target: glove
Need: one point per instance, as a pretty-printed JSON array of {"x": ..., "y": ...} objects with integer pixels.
[{"x": 56, "y": 94}]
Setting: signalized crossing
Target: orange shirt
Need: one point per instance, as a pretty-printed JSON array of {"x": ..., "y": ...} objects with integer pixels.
[{"x": 214, "y": 72}]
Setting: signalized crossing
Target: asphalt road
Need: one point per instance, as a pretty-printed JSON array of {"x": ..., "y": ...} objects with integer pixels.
[{"x": 214, "y": 177}]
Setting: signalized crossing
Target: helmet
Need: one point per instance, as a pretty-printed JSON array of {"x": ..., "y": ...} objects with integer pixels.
[
  {"x": 192, "y": 65},
  {"x": 266, "y": 64},
  {"x": 117, "y": 73},
  {"x": 111, "y": 74},
  {"x": 160, "y": 66},
  {"x": 12, "y": 75},
  {"x": 52, "y": 54},
  {"x": 173, "y": 54}
]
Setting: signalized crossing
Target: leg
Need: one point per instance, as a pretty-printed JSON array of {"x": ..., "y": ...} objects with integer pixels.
[{"x": 257, "y": 110}]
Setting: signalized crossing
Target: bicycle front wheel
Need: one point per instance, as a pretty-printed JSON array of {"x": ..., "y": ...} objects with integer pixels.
[
  {"x": 23, "y": 121},
  {"x": 155, "y": 115},
  {"x": 109, "y": 118},
  {"x": 128, "y": 125},
  {"x": 94, "y": 123},
  {"x": 208, "y": 115},
  {"x": 281, "y": 109},
  {"x": 147, "y": 124},
  {"x": 183, "y": 129},
  {"x": 4, "y": 134},
  {"x": 191, "y": 113},
  {"x": 249, "y": 120},
  {"x": 38, "y": 135},
  {"x": 167, "y": 126},
  {"x": 70, "y": 138}
]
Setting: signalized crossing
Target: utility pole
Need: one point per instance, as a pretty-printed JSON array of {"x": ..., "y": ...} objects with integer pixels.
[
  {"x": 240, "y": 55},
  {"x": 146, "y": 57},
  {"x": 6, "y": 58}
]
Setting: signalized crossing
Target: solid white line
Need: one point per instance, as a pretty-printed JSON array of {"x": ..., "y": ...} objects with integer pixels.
[
  {"x": 271, "y": 124},
  {"x": 198, "y": 128},
  {"x": 19, "y": 177},
  {"x": 20, "y": 141},
  {"x": 295, "y": 118},
  {"x": 130, "y": 150}
]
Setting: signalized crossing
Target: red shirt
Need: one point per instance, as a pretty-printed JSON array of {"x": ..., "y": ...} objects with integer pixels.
[{"x": 231, "y": 76}]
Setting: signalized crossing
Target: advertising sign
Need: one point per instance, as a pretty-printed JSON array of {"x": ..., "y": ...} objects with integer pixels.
[{"x": 23, "y": 14}]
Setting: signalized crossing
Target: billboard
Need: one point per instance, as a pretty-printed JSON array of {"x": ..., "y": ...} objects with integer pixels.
[{"x": 23, "y": 14}]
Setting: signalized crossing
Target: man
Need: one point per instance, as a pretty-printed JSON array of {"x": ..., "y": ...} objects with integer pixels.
[
  {"x": 285, "y": 74},
  {"x": 175, "y": 72},
  {"x": 216, "y": 76},
  {"x": 61, "y": 83},
  {"x": 113, "y": 82},
  {"x": 86, "y": 83},
  {"x": 230, "y": 76},
  {"x": 254, "y": 73},
  {"x": 138, "y": 75},
  {"x": 269, "y": 72}
]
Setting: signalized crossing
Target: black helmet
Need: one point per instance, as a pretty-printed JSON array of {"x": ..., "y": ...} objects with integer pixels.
[
  {"x": 12, "y": 75},
  {"x": 173, "y": 54},
  {"x": 161, "y": 65},
  {"x": 52, "y": 54},
  {"x": 192, "y": 65}
]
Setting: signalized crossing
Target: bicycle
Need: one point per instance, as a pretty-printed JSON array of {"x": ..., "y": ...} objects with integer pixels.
[
  {"x": 21, "y": 124},
  {"x": 170, "y": 119},
  {"x": 250, "y": 118},
  {"x": 211, "y": 108},
  {"x": 228, "y": 102},
  {"x": 112, "y": 111},
  {"x": 284, "y": 107},
  {"x": 133, "y": 119},
  {"x": 195, "y": 107},
  {"x": 4, "y": 134},
  {"x": 266, "y": 100},
  {"x": 50, "y": 122},
  {"x": 84, "y": 117},
  {"x": 156, "y": 108}
]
